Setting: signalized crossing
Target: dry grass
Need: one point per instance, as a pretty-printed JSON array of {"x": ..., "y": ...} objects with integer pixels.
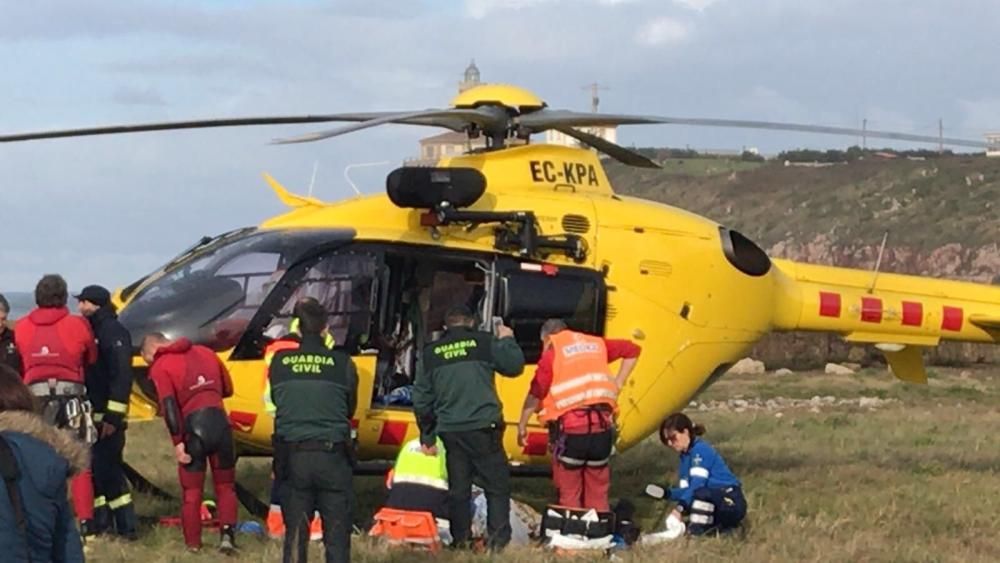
[{"x": 914, "y": 481}]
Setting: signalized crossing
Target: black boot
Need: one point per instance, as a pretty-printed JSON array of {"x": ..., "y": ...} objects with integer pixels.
[
  {"x": 102, "y": 520},
  {"x": 87, "y": 529},
  {"x": 227, "y": 540},
  {"x": 126, "y": 522}
]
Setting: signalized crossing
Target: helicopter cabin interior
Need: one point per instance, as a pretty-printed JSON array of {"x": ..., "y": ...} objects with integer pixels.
[{"x": 391, "y": 300}]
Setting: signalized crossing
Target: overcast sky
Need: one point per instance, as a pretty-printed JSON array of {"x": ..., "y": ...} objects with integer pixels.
[{"x": 109, "y": 209}]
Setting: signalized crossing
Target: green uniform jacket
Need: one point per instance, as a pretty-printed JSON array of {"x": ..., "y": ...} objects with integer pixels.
[
  {"x": 315, "y": 392},
  {"x": 455, "y": 388}
]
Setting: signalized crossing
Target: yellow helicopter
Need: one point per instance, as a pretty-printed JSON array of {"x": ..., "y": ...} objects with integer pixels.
[{"x": 523, "y": 232}]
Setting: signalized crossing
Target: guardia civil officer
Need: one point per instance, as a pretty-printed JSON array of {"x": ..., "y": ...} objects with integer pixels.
[
  {"x": 109, "y": 383},
  {"x": 455, "y": 397},
  {"x": 315, "y": 392}
]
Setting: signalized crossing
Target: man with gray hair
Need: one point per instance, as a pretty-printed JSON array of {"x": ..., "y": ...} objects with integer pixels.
[
  {"x": 455, "y": 397},
  {"x": 578, "y": 399}
]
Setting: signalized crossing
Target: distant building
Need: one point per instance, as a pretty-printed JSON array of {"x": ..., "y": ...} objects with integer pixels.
[
  {"x": 553, "y": 137},
  {"x": 451, "y": 143},
  {"x": 471, "y": 77},
  {"x": 993, "y": 144}
]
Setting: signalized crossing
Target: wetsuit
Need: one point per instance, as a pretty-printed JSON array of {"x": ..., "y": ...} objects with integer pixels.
[{"x": 191, "y": 382}]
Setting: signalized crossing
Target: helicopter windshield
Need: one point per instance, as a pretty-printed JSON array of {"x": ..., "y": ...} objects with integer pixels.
[
  {"x": 202, "y": 244},
  {"x": 210, "y": 295}
]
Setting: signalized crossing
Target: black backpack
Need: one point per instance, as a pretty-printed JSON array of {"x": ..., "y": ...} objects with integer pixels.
[{"x": 11, "y": 474}]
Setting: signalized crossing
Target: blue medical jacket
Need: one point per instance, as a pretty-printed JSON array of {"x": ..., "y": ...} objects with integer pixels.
[{"x": 701, "y": 466}]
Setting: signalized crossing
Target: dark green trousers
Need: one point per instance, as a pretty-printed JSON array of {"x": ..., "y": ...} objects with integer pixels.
[
  {"x": 478, "y": 455},
  {"x": 318, "y": 480}
]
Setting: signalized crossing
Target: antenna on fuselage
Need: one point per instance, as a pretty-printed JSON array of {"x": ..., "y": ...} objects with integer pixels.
[
  {"x": 312, "y": 181},
  {"x": 878, "y": 262},
  {"x": 359, "y": 165}
]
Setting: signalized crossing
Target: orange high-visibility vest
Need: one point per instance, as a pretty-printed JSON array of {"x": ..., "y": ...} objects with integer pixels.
[{"x": 580, "y": 375}]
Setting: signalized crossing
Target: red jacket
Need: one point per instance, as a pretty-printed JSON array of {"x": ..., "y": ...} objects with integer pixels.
[
  {"x": 54, "y": 344},
  {"x": 617, "y": 350},
  {"x": 193, "y": 375}
]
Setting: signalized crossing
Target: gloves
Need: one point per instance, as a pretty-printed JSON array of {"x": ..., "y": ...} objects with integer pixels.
[{"x": 657, "y": 492}]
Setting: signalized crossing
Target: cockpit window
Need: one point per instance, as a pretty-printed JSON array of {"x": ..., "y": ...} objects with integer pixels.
[
  {"x": 211, "y": 296},
  {"x": 343, "y": 283},
  {"x": 202, "y": 244}
]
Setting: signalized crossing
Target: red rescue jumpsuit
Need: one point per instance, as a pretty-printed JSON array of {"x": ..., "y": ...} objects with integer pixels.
[
  {"x": 56, "y": 345},
  {"x": 191, "y": 382},
  {"x": 585, "y": 487}
]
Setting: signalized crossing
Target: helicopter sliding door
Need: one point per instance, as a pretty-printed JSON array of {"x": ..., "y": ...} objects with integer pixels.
[{"x": 528, "y": 294}]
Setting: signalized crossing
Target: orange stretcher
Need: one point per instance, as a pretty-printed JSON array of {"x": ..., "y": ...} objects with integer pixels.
[{"x": 407, "y": 528}]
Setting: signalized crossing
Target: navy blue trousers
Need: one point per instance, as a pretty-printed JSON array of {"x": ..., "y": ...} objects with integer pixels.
[{"x": 716, "y": 510}]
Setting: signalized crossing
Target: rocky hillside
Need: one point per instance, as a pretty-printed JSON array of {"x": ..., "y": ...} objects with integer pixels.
[{"x": 942, "y": 216}]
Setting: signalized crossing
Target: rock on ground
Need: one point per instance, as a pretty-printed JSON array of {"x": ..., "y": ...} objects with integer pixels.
[
  {"x": 748, "y": 366},
  {"x": 837, "y": 369}
]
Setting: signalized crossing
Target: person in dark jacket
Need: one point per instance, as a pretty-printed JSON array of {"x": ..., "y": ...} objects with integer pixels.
[
  {"x": 315, "y": 392},
  {"x": 44, "y": 457},
  {"x": 455, "y": 397},
  {"x": 8, "y": 349},
  {"x": 109, "y": 383}
]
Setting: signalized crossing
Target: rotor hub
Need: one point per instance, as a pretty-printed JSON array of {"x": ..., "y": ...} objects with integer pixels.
[{"x": 511, "y": 97}]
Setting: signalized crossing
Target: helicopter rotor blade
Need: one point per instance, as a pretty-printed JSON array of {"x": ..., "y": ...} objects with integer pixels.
[
  {"x": 456, "y": 119},
  {"x": 548, "y": 119},
  {"x": 193, "y": 124},
  {"x": 613, "y": 150}
]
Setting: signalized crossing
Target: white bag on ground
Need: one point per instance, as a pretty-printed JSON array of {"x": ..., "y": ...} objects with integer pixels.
[
  {"x": 675, "y": 529},
  {"x": 578, "y": 543}
]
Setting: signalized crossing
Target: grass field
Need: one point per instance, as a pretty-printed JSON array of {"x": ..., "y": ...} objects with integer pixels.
[{"x": 916, "y": 479}]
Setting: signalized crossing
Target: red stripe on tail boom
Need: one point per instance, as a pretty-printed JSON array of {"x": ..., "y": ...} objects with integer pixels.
[
  {"x": 829, "y": 304},
  {"x": 871, "y": 310}
]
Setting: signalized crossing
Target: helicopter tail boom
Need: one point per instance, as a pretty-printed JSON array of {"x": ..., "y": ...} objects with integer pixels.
[{"x": 900, "y": 315}]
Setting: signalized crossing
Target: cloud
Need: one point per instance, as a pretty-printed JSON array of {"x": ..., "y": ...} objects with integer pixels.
[
  {"x": 131, "y": 96},
  {"x": 662, "y": 31},
  {"x": 980, "y": 116},
  {"x": 479, "y": 9},
  {"x": 194, "y": 64},
  {"x": 96, "y": 266},
  {"x": 696, "y": 5}
]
